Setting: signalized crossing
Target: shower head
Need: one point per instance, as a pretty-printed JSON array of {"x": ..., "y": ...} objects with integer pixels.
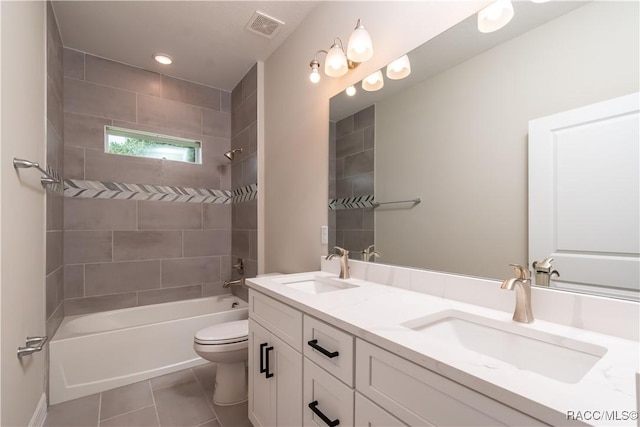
[{"x": 232, "y": 153}]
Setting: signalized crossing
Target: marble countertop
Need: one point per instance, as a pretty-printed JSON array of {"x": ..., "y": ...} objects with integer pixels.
[{"x": 375, "y": 313}]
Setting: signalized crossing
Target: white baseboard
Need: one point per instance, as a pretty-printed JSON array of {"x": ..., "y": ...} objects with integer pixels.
[{"x": 40, "y": 414}]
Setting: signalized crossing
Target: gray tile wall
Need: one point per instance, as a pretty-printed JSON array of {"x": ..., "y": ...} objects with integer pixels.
[
  {"x": 124, "y": 253},
  {"x": 54, "y": 211},
  {"x": 352, "y": 155},
  {"x": 244, "y": 171}
]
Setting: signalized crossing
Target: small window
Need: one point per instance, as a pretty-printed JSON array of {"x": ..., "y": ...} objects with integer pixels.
[{"x": 152, "y": 145}]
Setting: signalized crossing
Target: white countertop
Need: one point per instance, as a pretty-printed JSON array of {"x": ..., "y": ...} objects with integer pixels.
[{"x": 374, "y": 313}]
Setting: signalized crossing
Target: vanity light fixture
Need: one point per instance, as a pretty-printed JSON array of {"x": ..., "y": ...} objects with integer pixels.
[
  {"x": 360, "y": 47},
  {"x": 399, "y": 69},
  {"x": 315, "y": 74},
  {"x": 373, "y": 82},
  {"x": 495, "y": 16},
  {"x": 163, "y": 58},
  {"x": 335, "y": 64},
  {"x": 351, "y": 90},
  {"x": 339, "y": 61}
]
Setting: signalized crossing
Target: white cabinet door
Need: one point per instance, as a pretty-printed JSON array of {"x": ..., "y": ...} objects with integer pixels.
[
  {"x": 584, "y": 196},
  {"x": 287, "y": 371},
  {"x": 275, "y": 380},
  {"x": 327, "y": 401},
  {"x": 368, "y": 414},
  {"x": 262, "y": 390}
]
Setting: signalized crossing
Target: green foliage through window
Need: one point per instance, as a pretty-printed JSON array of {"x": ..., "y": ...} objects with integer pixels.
[{"x": 143, "y": 144}]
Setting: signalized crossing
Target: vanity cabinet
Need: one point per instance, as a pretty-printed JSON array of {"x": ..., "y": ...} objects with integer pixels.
[
  {"x": 303, "y": 371},
  {"x": 420, "y": 397},
  {"x": 275, "y": 367}
]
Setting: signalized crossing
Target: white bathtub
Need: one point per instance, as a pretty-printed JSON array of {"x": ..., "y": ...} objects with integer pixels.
[{"x": 100, "y": 351}]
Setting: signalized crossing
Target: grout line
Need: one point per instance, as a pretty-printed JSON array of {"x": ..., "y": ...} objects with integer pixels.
[
  {"x": 84, "y": 280},
  {"x": 129, "y": 412},
  {"x": 155, "y": 405},
  {"x": 209, "y": 401},
  {"x": 208, "y": 421}
]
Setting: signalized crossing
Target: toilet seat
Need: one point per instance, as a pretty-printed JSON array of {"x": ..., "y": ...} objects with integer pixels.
[{"x": 224, "y": 333}]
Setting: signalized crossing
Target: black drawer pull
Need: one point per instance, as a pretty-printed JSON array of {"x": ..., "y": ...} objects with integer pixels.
[
  {"x": 314, "y": 407},
  {"x": 262, "y": 368},
  {"x": 266, "y": 368},
  {"x": 329, "y": 354}
]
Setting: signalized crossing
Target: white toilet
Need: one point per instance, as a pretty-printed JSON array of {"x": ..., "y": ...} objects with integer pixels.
[{"x": 227, "y": 344}]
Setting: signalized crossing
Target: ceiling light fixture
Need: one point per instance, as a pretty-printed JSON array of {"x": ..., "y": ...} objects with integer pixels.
[
  {"x": 373, "y": 82},
  {"x": 399, "y": 69},
  {"x": 495, "y": 16},
  {"x": 338, "y": 61},
  {"x": 163, "y": 58},
  {"x": 350, "y": 91}
]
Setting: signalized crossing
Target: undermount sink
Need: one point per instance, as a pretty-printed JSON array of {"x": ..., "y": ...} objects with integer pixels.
[
  {"x": 553, "y": 356},
  {"x": 316, "y": 285}
]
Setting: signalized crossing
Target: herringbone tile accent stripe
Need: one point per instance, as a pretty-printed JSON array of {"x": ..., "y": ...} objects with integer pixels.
[
  {"x": 352, "y": 202},
  {"x": 166, "y": 193}
]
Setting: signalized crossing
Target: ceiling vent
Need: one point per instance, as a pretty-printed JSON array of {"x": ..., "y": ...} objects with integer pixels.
[{"x": 264, "y": 25}]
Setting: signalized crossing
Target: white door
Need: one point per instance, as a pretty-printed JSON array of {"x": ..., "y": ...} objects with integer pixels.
[
  {"x": 584, "y": 196},
  {"x": 22, "y": 207}
]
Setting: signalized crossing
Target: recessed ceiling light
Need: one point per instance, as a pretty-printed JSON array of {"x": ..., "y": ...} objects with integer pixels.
[{"x": 163, "y": 58}]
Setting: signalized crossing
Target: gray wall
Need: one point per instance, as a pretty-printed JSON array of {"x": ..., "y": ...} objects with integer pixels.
[
  {"x": 352, "y": 162},
  {"x": 463, "y": 138},
  {"x": 54, "y": 282},
  {"x": 123, "y": 253},
  {"x": 244, "y": 133}
]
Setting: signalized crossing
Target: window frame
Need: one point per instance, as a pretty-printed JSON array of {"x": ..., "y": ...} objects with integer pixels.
[{"x": 154, "y": 137}]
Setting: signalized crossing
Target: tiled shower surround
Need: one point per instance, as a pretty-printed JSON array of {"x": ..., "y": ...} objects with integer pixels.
[
  {"x": 244, "y": 134},
  {"x": 123, "y": 253},
  {"x": 352, "y": 155},
  {"x": 54, "y": 258}
]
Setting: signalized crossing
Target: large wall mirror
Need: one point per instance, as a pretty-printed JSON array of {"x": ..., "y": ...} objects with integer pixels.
[{"x": 455, "y": 134}]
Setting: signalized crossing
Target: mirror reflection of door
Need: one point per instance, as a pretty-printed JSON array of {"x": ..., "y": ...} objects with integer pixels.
[{"x": 584, "y": 196}]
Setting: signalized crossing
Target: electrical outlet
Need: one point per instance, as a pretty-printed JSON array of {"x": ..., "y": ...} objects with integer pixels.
[{"x": 324, "y": 234}]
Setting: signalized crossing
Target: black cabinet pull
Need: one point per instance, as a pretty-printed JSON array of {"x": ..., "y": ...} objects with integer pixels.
[
  {"x": 266, "y": 369},
  {"x": 314, "y": 407},
  {"x": 262, "y": 368},
  {"x": 329, "y": 354}
]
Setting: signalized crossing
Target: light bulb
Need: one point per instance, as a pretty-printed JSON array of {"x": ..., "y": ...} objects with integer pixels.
[
  {"x": 495, "y": 16},
  {"x": 373, "y": 82},
  {"x": 360, "y": 47},
  {"x": 336, "y": 63},
  {"x": 314, "y": 76},
  {"x": 351, "y": 90},
  {"x": 399, "y": 69}
]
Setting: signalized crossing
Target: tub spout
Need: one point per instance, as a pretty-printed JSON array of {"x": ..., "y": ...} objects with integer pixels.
[{"x": 239, "y": 282}]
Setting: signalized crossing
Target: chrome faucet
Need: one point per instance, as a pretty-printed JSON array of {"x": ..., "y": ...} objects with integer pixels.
[
  {"x": 369, "y": 253},
  {"x": 522, "y": 284},
  {"x": 344, "y": 261},
  {"x": 229, "y": 283}
]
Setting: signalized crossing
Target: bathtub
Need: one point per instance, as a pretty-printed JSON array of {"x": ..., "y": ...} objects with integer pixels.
[{"x": 99, "y": 351}]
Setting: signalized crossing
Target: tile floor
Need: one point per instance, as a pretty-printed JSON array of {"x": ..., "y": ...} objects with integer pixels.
[{"x": 181, "y": 399}]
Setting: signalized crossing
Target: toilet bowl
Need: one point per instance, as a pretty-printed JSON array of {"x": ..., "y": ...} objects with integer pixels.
[{"x": 226, "y": 344}]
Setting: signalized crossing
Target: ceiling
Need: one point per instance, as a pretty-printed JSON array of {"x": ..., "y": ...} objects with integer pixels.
[{"x": 207, "y": 39}]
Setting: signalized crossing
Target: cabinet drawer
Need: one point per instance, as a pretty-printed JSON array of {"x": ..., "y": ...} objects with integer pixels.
[
  {"x": 331, "y": 397},
  {"x": 421, "y": 397},
  {"x": 371, "y": 415},
  {"x": 280, "y": 319},
  {"x": 331, "y": 348}
]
